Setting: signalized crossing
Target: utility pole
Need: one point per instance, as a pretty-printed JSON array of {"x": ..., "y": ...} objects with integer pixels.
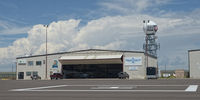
[
  {"x": 146, "y": 50},
  {"x": 12, "y": 72}
]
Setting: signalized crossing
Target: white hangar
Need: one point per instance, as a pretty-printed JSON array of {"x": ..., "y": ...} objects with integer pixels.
[{"x": 91, "y": 63}]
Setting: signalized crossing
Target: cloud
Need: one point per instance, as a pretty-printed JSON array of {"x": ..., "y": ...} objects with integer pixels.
[
  {"x": 132, "y": 6},
  {"x": 107, "y": 27},
  {"x": 15, "y": 30},
  {"x": 9, "y": 27}
]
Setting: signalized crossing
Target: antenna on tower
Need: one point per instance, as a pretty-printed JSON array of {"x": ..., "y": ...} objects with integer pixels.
[
  {"x": 151, "y": 46},
  {"x": 29, "y": 52}
]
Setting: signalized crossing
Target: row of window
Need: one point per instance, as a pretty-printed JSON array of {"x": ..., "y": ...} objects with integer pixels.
[
  {"x": 31, "y": 63},
  {"x": 37, "y": 63},
  {"x": 31, "y": 73}
]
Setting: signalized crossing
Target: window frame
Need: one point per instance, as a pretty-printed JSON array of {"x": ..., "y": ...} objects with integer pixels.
[
  {"x": 40, "y": 64},
  {"x": 29, "y": 73},
  {"x": 30, "y": 64},
  {"x": 35, "y": 72}
]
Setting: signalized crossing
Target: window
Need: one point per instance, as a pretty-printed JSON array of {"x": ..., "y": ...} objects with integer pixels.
[
  {"x": 35, "y": 73},
  {"x": 21, "y": 75},
  {"x": 38, "y": 63},
  {"x": 28, "y": 73},
  {"x": 30, "y": 63}
]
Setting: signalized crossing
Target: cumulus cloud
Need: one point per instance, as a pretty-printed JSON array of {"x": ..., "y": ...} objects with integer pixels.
[
  {"x": 104, "y": 33},
  {"x": 60, "y": 35}
]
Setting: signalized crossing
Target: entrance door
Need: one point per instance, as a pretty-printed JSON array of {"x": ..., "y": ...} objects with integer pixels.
[
  {"x": 151, "y": 72},
  {"x": 21, "y": 75}
]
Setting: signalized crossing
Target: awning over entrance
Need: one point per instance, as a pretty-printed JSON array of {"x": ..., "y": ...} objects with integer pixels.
[{"x": 91, "y": 59}]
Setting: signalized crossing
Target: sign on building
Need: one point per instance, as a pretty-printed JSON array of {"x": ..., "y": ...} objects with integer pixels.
[
  {"x": 21, "y": 62},
  {"x": 133, "y": 60},
  {"x": 132, "y": 68},
  {"x": 55, "y": 64}
]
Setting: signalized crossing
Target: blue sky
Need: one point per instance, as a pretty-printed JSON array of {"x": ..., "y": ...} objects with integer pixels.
[
  {"x": 89, "y": 21},
  {"x": 31, "y": 12}
]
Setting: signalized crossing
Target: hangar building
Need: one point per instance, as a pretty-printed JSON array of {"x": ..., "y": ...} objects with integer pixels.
[
  {"x": 194, "y": 63},
  {"x": 91, "y": 63}
]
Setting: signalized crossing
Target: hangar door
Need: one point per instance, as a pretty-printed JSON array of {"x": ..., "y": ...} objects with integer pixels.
[{"x": 91, "y": 66}]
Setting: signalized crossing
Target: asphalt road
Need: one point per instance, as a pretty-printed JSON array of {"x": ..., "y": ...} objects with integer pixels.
[{"x": 99, "y": 89}]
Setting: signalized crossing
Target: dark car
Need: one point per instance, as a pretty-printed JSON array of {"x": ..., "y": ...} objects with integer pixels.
[
  {"x": 35, "y": 77},
  {"x": 123, "y": 75},
  {"x": 56, "y": 76}
]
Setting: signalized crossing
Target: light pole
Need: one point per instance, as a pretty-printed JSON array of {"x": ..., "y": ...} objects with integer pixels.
[
  {"x": 46, "y": 26},
  {"x": 146, "y": 40}
]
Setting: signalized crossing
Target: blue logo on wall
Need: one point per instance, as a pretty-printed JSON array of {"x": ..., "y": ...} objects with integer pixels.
[{"x": 133, "y": 61}]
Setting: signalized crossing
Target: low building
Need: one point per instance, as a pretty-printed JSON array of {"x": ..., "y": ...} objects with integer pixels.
[
  {"x": 180, "y": 73},
  {"x": 194, "y": 63},
  {"x": 91, "y": 63}
]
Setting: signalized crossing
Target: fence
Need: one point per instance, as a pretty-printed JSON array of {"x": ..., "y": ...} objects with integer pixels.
[{"x": 7, "y": 75}]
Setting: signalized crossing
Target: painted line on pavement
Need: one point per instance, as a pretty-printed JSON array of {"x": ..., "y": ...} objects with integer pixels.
[
  {"x": 45, "y": 87},
  {"x": 115, "y": 88},
  {"x": 126, "y": 85},
  {"x": 107, "y": 90},
  {"x": 192, "y": 88}
]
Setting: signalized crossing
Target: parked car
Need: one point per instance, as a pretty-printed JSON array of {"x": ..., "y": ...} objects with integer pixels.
[
  {"x": 35, "y": 77},
  {"x": 123, "y": 75},
  {"x": 56, "y": 76}
]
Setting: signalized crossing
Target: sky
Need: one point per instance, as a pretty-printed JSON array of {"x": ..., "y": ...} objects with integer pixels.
[{"x": 98, "y": 24}]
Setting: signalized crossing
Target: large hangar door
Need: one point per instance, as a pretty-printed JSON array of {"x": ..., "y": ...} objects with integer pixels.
[
  {"x": 102, "y": 66},
  {"x": 92, "y": 70}
]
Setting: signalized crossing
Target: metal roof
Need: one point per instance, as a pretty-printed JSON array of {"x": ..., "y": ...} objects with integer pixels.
[
  {"x": 194, "y": 50},
  {"x": 83, "y": 51},
  {"x": 90, "y": 57}
]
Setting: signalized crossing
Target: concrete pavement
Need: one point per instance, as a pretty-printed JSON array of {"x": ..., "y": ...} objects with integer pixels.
[{"x": 100, "y": 89}]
